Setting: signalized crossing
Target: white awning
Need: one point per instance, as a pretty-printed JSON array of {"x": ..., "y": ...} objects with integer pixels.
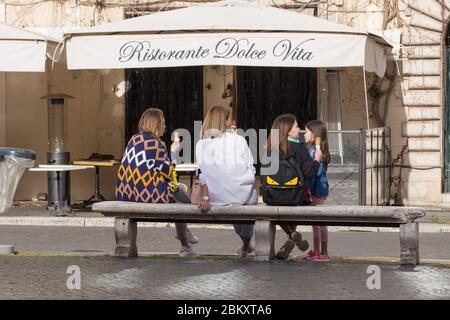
[
  {"x": 225, "y": 33},
  {"x": 21, "y": 50}
]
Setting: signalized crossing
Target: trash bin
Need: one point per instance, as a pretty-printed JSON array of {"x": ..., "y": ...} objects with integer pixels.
[{"x": 13, "y": 162}]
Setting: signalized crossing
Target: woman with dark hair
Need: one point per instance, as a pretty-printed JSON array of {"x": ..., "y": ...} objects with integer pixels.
[
  {"x": 145, "y": 174},
  {"x": 288, "y": 131}
]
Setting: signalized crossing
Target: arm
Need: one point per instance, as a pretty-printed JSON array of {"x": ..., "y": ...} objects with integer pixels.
[
  {"x": 204, "y": 205},
  {"x": 163, "y": 165},
  {"x": 248, "y": 157},
  {"x": 308, "y": 166}
]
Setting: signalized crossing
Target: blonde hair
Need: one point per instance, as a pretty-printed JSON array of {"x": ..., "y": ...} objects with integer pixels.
[
  {"x": 214, "y": 124},
  {"x": 152, "y": 121}
]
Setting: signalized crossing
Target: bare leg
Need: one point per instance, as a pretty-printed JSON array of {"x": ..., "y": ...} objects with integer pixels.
[
  {"x": 316, "y": 238},
  {"x": 324, "y": 239}
]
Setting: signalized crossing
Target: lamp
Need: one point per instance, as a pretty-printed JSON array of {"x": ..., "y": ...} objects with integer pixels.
[{"x": 58, "y": 197}]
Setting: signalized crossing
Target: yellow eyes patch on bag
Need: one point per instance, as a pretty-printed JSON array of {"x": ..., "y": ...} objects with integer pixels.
[
  {"x": 292, "y": 182},
  {"x": 271, "y": 182}
]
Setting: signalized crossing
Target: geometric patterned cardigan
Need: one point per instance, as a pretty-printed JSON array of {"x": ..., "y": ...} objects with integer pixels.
[{"x": 145, "y": 171}]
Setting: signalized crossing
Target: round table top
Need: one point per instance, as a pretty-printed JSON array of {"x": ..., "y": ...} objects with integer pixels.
[
  {"x": 60, "y": 167},
  {"x": 97, "y": 163},
  {"x": 187, "y": 167}
]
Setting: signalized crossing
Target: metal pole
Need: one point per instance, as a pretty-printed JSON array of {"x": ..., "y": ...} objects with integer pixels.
[
  {"x": 378, "y": 166},
  {"x": 371, "y": 167},
  {"x": 383, "y": 146},
  {"x": 97, "y": 181},
  {"x": 388, "y": 130},
  {"x": 365, "y": 98},
  {"x": 362, "y": 167}
]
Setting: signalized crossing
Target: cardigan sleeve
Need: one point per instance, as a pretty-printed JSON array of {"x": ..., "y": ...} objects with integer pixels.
[{"x": 162, "y": 161}]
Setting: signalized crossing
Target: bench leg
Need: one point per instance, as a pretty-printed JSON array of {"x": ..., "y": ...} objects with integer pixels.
[
  {"x": 265, "y": 240},
  {"x": 409, "y": 244},
  {"x": 126, "y": 233}
]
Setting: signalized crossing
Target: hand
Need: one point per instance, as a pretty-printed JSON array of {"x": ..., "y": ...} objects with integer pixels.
[
  {"x": 204, "y": 206},
  {"x": 176, "y": 146}
]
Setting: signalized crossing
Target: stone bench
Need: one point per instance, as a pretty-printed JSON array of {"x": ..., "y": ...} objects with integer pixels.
[{"x": 127, "y": 214}]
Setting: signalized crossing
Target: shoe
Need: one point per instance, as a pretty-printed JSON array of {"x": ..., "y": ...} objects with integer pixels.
[
  {"x": 285, "y": 250},
  {"x": 310, "y": 255},
  {"x": 303, "y": 245},
  {"x": 321, "y": 257},
  {"x": 187, "y": 252},
  {"x": 244, "y": 253},
  {"x": 190, "y": 237}
]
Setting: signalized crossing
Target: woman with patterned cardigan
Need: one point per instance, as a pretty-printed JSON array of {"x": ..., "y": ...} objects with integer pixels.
[{"x": 146, "y": 170}]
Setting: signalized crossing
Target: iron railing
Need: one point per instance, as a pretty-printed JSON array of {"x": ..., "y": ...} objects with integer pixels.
[{"x": 367, "y": 154}]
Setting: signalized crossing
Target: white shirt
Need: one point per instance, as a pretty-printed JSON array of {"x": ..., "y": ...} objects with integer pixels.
[{"x": 226, "y": 165}]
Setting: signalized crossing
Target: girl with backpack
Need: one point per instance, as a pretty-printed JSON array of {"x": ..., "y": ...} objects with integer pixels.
[
  {"x": 295, "y": 165},
  {"x": 316, "y": 139}
]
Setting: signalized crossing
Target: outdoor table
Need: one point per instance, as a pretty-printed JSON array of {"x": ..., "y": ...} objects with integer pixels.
[
  {"x": 97, "y": 197},
  {"x": 189, "y": 169},
  {"x": 58, "y": 168}
]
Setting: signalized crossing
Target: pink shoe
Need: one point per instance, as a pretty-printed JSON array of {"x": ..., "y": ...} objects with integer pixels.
[
  {"x": 321, "y": 257},
  {"x": 310, "y": 255}
]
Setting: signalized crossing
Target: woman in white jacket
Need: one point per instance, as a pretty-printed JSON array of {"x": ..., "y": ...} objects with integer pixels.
[{"x": 227, "y": 172}]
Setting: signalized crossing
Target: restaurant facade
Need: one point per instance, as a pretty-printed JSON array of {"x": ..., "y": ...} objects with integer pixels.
[{"x": 410, "y": 98}]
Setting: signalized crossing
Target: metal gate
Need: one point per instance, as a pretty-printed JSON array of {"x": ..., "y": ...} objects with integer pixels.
[{"x": 375, "y": 166}]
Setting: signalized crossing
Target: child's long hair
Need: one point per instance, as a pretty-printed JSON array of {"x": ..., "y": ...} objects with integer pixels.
[
  {"x": 319, "y": 129},
  {"x": 284, "y": 124}
]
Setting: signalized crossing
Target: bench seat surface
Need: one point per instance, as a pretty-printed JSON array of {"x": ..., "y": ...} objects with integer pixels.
[{"x": 248, "y": 213}]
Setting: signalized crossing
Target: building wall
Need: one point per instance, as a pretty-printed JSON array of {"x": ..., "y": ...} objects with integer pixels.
[
  {"x": 26, "y": 124},
  {"x": 94, "y": 124},
  {"x": 414, "y": 113},
  {"x": 216, "y": 80}
]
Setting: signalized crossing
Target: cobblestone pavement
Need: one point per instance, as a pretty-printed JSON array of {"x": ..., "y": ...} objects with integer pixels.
[
  {"x": 212, "y": 241},
  {"x": 145, "y": 278}
]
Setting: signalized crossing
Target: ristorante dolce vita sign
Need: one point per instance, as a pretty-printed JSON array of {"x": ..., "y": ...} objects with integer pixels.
[{"x": 248, "y": 49}]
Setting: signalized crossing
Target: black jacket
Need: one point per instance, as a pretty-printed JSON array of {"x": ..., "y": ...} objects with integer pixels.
[{"x": 301, "y": 155}]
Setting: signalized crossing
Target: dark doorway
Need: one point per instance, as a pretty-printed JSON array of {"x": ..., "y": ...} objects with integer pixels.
[
  {"x": 263, "y": 93},
  {"x": 176, "y": 91}
]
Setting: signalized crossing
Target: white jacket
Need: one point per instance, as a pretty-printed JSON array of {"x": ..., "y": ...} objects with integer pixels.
[{"x": 226, "y": 165}]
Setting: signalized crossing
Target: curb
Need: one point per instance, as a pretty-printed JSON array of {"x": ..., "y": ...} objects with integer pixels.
[
  {"x": 109, "y": 223},
  {"x": 174, "y": 256}
]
